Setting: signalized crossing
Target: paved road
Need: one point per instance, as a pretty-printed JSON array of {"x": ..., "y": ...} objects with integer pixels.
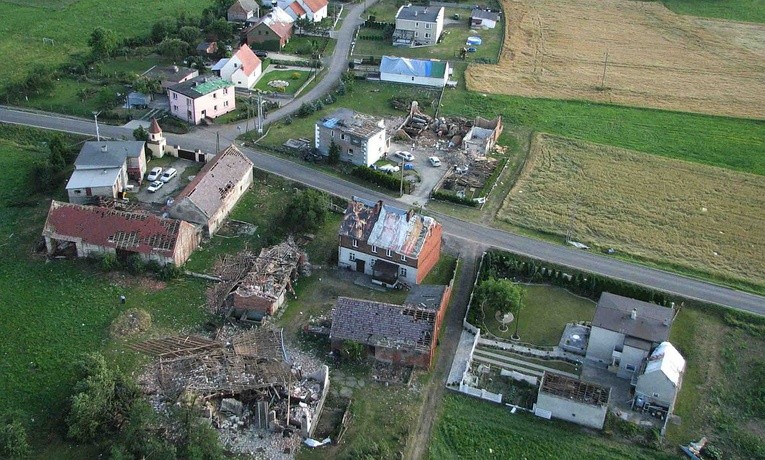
[{"x": 473, "y": 232}]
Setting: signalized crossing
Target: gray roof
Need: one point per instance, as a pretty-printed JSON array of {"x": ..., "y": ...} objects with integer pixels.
[
  {"x": 652, "y": 322},
  {"x": 382, "y": 324},
  {"x": 426, "y": 296},
  {"x": 107, "y": 154},
  {"x": 90, "y": 178},
  {"x": 419, "y": 13},
  {"x": 200, "y": 86},
  {"x": 170, "y": 73},
  {"x": 483, "y": 14}
]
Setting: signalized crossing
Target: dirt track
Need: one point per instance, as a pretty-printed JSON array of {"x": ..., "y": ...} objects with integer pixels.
[{"x": 557, "y": 49}]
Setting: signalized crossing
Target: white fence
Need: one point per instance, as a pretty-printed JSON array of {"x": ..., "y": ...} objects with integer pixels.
[{"x": 479, "y": 393}]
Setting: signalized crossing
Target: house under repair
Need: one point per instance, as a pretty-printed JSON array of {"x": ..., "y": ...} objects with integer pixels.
[
  {"x": 263, "y": 289},
  {"x": 572, "y": 400}
]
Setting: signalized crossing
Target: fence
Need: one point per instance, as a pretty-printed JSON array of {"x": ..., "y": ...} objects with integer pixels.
[{"x": 480, "y": 393}]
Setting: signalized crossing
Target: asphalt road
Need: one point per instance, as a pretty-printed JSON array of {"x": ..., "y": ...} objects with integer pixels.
[{"x": 472, "y": 232}]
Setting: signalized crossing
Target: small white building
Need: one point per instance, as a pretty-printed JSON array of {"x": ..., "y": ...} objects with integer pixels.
[
  {"x": 361, "y": 138},
  {"x": 418, "y": 25},
  {"x": 243, "y": 68},
  {"x": 484, "y": 18},
  {"x": 572, "y": 400},
  {"x": 426, "y": 72},
  {"x": 660, "y": 382},
  {"x": 157, "y": 142},
  {"x": 200, "y": 98},
  {"x": 624, "y": 331}
]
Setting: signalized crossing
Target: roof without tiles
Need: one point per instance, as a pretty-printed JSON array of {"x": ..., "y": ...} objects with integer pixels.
[
  {"x": 354, "y": 123},
  {"x": 652, "y": 322},
  {"x": 573, "y": 389}
]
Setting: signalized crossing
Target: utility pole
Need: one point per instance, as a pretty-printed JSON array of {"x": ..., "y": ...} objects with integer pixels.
[
  {"x": 260, "y": 114},
  {"x": 249, "y": 106},
  {"x": 217, "y": 142},
  {"x": 605, "y": 67},
  {"x": 95, "y": 117},
  {"x": 401, "y": 191}
]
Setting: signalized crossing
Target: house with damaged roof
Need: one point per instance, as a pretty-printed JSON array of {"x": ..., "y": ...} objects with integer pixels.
[
  {"x": 361, "y": 138},
  {"x": 389, "y": 243},
  {"x": 92, "y": 231},
  {"x": 215, "y": 190},
  {"x": 400, "y": 334}
]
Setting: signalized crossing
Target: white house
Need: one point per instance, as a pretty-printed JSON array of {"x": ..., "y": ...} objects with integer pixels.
[
  {"x": 418, "y": 25},
  {"x": 200, "y": 98},
  {"x": 426, "y": 72},
  {"x": 572, "y": 400},
  {"x": 484, "y": 18},
  {"x": 624, "y": 331},
  {"x": 361, "y": 138},
  {"x": 243, "y": 68},
  {"x": 662, "y": 378},
  {"x": 103, "y": 168}
]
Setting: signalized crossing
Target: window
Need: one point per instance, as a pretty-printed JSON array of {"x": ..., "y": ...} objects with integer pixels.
[
  {"x": 416, "y": 26},
  {"x": 630, "y": 367},
  {"x": 427, "y": 35},
  {"x": 188, "y": 102},
  {"x": 428, "y": 25},
  {"x": 225, "y": 103},
  {"x": 402, "y": 271},
  {"x": 175, "y": 108},
  {"x": 374, "y": 249},
  {"x": 342, "y": 136},
  {"x": 332, "y": 134},
  {"x": 225, "y": 90},
  {"x": 215, "y": 108},
  {"x": 403, "y": 258},
  {"x": 388, "y": 252},
  {"x": 215, "y": 95},
  {"x": 352, "y": 256},
  {"x": 372, "y": 262},
  {"x": 656, "y": 395},
  {"x": 416, "y": 34},
  {"x": 175, "y": 96},
  {"x": 355, "y": 243},
  {"x": 350, "y": 151}
]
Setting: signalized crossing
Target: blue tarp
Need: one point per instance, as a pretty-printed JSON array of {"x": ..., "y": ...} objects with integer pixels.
[
  {"x": 473, "y": 41},
  {"x": 403, "y": 66}
]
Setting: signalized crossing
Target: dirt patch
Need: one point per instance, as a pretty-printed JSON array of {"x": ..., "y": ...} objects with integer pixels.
[
  {"x": 130, "y": 322},
  {"x": 126, "y": 280},
  {"x": 655, "y": 58},
  {"x": 692, "y": 215}
]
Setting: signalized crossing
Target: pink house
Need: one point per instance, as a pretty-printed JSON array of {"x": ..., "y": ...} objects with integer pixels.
[{"x": 203, "y": 97}]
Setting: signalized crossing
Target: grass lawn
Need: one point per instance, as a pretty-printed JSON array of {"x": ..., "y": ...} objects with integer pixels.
[
  {"x": 468, "y": 428},
  {"x": 443, "y": 271},
  {"x": 734, "y": 10},
  {"x": 546, "y": 310},
  {"x": 296, "y": 79}
]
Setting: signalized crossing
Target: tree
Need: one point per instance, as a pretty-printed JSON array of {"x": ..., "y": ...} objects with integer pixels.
[
  {"x": 333, "y": 157},
  {"x": 147, "y": 85},
  {"x": 303, "y": 25},
  {"x": 502, "y": 295},
  {"x": 307, "y": 211},
  {"x": 188, "y": 34},
  {"x": 163, "y": 29},
  {"x": 220, "y": 29},
  {"x": 140, "y": 134},
  {"x": 13, "y": 437},
  {"x": 174, "y": 48},
  {"x": 57, "y": 153},
  {"x": 103, "y": 42}
]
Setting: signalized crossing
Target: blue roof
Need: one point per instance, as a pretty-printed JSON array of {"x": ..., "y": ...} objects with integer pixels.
[
  {"x": 330, "y": 122},
  {"x": 412, "y": 67}
]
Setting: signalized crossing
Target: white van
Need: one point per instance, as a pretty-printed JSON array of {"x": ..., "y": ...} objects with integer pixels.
[{"x": 168, "y": 174}]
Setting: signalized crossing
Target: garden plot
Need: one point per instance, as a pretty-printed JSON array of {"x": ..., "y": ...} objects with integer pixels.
[
  {"x": 695, "y": 216},
  {"x": 652, "y": 58}
]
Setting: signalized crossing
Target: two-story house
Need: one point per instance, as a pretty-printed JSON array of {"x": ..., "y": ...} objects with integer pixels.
[
  {"x": 242, "y": 11},
  {"x": 271, "y": 32},
  {"x": 243, "y": 68},
  {"x": 389, "y": 243},
  {"x": 361, "y": 138},
  {"x": 418, "y": 25},
  {"x": 201, "y": 97},
  {"x": 103, "y": 168}
]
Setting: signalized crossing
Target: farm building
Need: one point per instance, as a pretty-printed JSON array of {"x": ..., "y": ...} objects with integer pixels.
[
  {"x": 418, "y": 25},
  {"x": 389, "y": 243},
  {"x": 271, "y": 32},
  {"x": 426, "y": 72},
  {"x": 482, "y": 136},
  {"x": 400, "y": 334},
  {"x": 573, "y": 400},
  {"x": 242, "y": 69},
  {"x": 263, "y": 290},
  {"x": 484, "y": 18},
  {"x": 361, "y": 138},
  {"x": 201, "y": 99},
  {"x": 209, "y": 198},
  {"x": 170, "y": 75},
  {"x": 103, "y": 168},
  {"x": 661, "y": 379},
  {"x": 93, "y": 231},
  {"x": 242, "y": 10},
  {"x": 624, "y": 331}
]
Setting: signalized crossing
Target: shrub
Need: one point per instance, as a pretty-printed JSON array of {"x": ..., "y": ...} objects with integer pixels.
[
  {"x": 295, "y": 76},
  {"x": 109, "y": 262},
  {"x": 445, "y": 196},
  {"x": 382, "y": 179},
  {"x": 13, "y": 437},
  {"x": 135, "y": 265}
]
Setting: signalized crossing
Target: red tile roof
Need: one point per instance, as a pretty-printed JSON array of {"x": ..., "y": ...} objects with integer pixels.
[
  {"x": 250, "y": 62},
  {"x": 154, "y": 128},
  {"x": 280, "y": 28},
  {"x": 315, "y": 5},
  {"x": 132, "y": 231},
  {"x": 295, "y": 6}
]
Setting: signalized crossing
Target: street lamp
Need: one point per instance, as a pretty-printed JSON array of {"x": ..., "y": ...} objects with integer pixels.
[{"x": 95, "y": 117}]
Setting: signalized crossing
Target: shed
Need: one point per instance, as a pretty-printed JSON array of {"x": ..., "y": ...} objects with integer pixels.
[{"x": 573, "y": 400}]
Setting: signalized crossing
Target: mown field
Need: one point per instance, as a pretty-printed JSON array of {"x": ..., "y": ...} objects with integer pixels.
[
  {"x": 733, "y": 10},
  {"x": 69, "y": 23},
  {"x": 468, "y": 428},
  {"x": 709, "y": 219},
  {"x": 557, "y": 49}
]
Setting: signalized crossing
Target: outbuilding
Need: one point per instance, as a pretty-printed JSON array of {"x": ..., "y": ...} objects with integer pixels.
[{"x": 573, "y": 400}]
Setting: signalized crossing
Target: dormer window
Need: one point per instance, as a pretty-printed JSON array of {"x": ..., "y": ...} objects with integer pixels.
[
  {"x": 355, "y": 243},
  {"x": 374, "y": 249},
  {"x": 388, "y": 253}
]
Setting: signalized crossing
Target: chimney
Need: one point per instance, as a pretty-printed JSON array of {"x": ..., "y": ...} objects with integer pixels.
[
  {"x": 176, "y": 69},
  {"x": 409, "y": 215},
  {"x": 633, "y": 314},
  {"x": 104, "y": 148},
  {"x": 415, "y": 13}
]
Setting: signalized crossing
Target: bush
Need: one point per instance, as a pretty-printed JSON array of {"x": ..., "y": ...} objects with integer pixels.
[
  {"x": 109, "y": 262},
  {"x": 135, "y": 265},
  {"x": 382, "y": 179},
  {"x": 306, "y": 109},
  {"x": 13, "y": 437},
  {"x": 445, "y": 196}
]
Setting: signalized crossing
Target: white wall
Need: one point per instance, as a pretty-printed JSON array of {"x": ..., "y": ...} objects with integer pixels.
[
  {"x": 656, "y": 383},
  {"x": 344, "y": 261},
  {"x": 633, "y": 357},
  {"x": 572, "y": 411},
  {"x": 602, "y": 343},
  {"x": 375, "y": 148},
  {"x": 436, "y": 82}
]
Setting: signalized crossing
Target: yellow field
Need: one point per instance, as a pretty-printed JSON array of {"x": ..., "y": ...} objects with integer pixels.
[
  {"x": 557, "y": 49},
  {"x": 702, "y": 217}
]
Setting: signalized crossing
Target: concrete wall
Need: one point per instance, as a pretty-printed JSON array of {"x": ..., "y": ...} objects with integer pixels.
[
  {"x": 186, "y": 244},
  {"x": 85, "y": 195},
  {"x": 480, "y": 393},
  {"x": 630, "y": 357},
  {"x": 421, "y": 28},
  {"x": 405, "y": 357},
  {"x": 573, "y": 411},
  {"x": 602, "y": 344},
  {"x": 424, "y": 81}
]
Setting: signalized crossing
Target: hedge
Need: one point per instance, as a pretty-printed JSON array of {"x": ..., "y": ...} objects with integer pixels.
[
  {"x": 445, "y": 196},
  {"x": 382, "y": 179}
]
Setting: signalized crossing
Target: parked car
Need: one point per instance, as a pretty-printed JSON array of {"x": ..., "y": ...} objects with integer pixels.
[
  {"x": 434, "y": 161},
  {"x": 154, "y": 174},
  {"x": 156, "y": 185},
  {"x": 168, "y": 174},
  {"x": 404, "y": 155},
  {"x": 262, "y": 54}
]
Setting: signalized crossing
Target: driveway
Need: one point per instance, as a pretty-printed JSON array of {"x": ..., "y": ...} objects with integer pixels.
[
  {"x": 170, "y": 189},
  {"x": 429, "y": 175}
]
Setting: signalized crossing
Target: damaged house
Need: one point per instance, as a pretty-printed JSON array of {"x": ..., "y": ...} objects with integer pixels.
[
  {"x": 572, "y": 400},
  {"x": 482, "y": 136},
  {"x": 399, "y": 334},
  {"x": 361, "y": 138},
  {"x": 389, "y": 243},
  {"x": 210, "y": 197},
  {"x": 94, "y": 231},
  {"x": 263, "y": 290}
]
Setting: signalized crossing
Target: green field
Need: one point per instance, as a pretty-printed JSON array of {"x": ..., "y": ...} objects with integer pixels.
[
  {"x": 734, "y": 10},
  {"x": 469, "y": 428},
  {"x": 718, "y": 141},
  {"x": 69, "y": 24}
]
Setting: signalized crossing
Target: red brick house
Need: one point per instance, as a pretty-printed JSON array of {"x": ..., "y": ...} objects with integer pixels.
[
  {"x": 400, "y": 334},
  {"x": 389, "y": 243},
  {"x": 268, "y": 34}
]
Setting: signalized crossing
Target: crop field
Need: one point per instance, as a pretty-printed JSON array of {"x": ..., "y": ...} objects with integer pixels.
[
  {"x": 69, "y": 23},
  {"x": 705, "y": 218},
  {"x": 732, "y": 10},
  {"x": 652, "y": 58}
]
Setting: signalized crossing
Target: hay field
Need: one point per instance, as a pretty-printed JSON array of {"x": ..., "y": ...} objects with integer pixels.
[
  {"x": 556, "y": 49},
  {"x": 691, "y": 215}
]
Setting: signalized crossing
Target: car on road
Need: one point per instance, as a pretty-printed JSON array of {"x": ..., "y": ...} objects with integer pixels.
[
  {"x": 434, "y": 161},
  {"x": 168, "y": 174},
  {"x": 404, "y": 155},
  {"x": 388, "y": 168},
  {"x": 154, "y": 174},
  {"x": 262, "y": 54},
  {"x": 156, "y": 185}
]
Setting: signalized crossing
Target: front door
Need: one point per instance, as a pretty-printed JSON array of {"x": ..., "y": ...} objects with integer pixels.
[{"x": 360, "y": 265}]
